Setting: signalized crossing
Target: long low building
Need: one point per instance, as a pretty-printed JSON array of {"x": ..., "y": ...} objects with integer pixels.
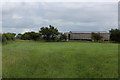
[{"x": 86, "y": 35}]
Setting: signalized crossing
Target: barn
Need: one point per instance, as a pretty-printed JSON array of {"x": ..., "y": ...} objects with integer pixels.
[{"x": 86, "y": 35}]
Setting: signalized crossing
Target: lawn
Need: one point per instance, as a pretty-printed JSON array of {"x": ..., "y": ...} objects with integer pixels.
[{"x": 28, "y": 59}]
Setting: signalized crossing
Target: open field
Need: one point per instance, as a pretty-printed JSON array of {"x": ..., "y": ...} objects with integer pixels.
[{"x": 28, "y": 59}]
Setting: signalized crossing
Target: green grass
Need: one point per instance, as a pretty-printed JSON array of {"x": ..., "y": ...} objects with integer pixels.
[{"x": 28, "y": 59}]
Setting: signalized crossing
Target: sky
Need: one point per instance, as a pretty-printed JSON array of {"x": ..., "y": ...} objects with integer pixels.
[{"x": 20, "y": 17}]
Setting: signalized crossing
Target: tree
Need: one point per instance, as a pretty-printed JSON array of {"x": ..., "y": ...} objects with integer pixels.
[
  {"x": 49, "y": 33},
  {"x": 31, "y": 36},
  {"x": 35, "y": 36},
  {"x": 25, "y": 36},
  {"x": 63, "y": 36},
  {"x": 19, "y": 36},
  {"x": 96, "y": 36},
  {"x": 4, "y": 39},
  {"x": 0, "y": 38},
  {"x": 115, "y": 35},
  {"x": 8, "y": 37}
]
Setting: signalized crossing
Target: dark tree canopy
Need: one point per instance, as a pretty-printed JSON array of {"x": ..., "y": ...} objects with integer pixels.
[
  {"x": 115, "y": 35},
  {"x": 63, "y": 37},
  {"x": 19, "y": 36},
  {"x": 8, "y": 37},
  {"x": 49, "y": 33},
  {"x": 31, "y": 36},
  {"x": 96, "y": 36},
  {"x": 0, "y": 38}
]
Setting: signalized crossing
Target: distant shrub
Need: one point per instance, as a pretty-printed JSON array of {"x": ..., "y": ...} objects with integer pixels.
[
  {"x": 8, "y": 37},
  {"x": 96, "y": 36},
  {"x": 63, "y": 37},
  {"x": 18, "y": 36},
  {"x": 31, "y": 36},
  {"x": 0, "y": 38},
  {"x": 115, "y": 35}
]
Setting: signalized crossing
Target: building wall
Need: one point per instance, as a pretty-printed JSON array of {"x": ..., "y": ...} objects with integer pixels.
[
  {"x": 106, "y": 36},
  {"x": 86, "y": 36},
  {"x": 80, "y": 36}
]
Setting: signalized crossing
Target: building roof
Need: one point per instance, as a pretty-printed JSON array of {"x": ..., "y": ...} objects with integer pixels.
[{"x": 88, "y": 31}]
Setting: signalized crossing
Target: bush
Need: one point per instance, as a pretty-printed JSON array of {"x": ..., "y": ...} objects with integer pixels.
[
  {"x": 31, "y": 36},
  {"x": 63, "y": 37},
  {"x": 18, "y": 36},
  {"x": 115, "y": 35},
  {"x": 96, "y": 36},
  {"x": 0, "y": 38},
  {"x": 8, "y": 37}
]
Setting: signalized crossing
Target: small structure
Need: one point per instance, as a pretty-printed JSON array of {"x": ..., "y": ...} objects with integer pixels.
[{"x": 86, "y": 35}]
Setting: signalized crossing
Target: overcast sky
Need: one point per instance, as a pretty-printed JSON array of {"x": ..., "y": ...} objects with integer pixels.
[{"x": 66, "y": 16}]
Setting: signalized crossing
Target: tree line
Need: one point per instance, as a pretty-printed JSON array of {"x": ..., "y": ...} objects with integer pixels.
[
  {"x": 52, "y": 34},
  {"x": 45, "y": 33},
  {"x": 5, "y": 37},
  {"x": 114, "y": 35}
]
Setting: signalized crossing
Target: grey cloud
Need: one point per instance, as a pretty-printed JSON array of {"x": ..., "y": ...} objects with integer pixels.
[{"x": 65, "y": 16}]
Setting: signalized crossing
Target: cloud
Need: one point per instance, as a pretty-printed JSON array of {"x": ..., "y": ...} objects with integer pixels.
[
  {"x": 18, "y": 30},
  {"x": 60, "y": 0},
  {"x": 89, "y": 16},
  {"x": 16, "y": 17}
]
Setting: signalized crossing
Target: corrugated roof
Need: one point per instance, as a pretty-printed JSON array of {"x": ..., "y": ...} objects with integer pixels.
[{"x": 88, "y": 31}]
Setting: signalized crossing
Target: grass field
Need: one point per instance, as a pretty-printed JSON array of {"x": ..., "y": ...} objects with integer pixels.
[{"x": 28, "y": 59}]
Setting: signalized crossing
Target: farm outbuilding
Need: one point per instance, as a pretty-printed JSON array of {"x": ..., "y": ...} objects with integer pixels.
[{"x": 86, "y": 35}]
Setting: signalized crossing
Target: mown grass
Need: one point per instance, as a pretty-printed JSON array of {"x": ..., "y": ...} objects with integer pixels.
[{"x": 28, "y": 59}]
